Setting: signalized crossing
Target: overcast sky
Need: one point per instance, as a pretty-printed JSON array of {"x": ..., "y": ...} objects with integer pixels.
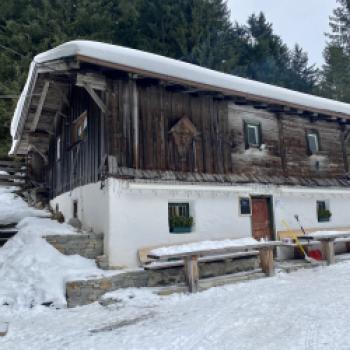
[{"x": 296, "y": 21}]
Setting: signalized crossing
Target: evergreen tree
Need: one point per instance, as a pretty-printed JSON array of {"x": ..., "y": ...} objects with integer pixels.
[{"x": 336, "y": 71}]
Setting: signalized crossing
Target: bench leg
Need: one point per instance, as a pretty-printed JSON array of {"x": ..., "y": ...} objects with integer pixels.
[
  {"x": 328, "y": 249},
  {"x": 192, "y": 273},
  {"x": 266, "y": 261}
]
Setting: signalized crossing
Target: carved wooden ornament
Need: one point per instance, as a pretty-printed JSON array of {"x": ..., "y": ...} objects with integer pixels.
[{"x": 183, "y": 133}]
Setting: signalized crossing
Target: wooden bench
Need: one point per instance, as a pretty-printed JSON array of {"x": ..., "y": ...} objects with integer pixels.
[
  {"x": 327, "y": 242},
  {"x": 153, "y": 264},
  {"x": 191, "y": 259}
]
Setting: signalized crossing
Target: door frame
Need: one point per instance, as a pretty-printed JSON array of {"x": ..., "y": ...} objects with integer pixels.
[{"x": 269, "y": 199}]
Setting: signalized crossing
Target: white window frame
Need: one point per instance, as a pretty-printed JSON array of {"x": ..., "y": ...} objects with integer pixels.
[{"x": 315, "y": 136}]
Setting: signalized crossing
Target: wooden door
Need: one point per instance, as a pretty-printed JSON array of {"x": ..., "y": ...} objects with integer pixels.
[{"x": 261, "y": 219}]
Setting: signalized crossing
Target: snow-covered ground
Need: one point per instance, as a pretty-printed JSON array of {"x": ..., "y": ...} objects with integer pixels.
[
  {"x": 13, "y": 208},
  {"x": 33, "y": 272},
  {"x": 303, "y": 310}
]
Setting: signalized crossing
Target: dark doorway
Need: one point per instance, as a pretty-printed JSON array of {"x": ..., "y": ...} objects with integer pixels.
[{"x": 262, "y": 222}]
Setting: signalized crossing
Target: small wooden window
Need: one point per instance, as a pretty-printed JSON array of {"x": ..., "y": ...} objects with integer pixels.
[
  {"x": 179, "y": 218},
  {"x": 252, "y": 134},
  {"x": 323, "y": 212},
  {"x": 179, "y": 209},
  {"x": 79, "y": 130},
  {"x": 313, "y": 142},
  {"x": 58, "y": 148},
  {"x": 245, "y": 207}
]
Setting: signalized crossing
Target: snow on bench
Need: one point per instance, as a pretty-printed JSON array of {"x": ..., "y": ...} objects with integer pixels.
[
  {"x": 191, "y": 252},
  {"x": 154, "y": 264}
]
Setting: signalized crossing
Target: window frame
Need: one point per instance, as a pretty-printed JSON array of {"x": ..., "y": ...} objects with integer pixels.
[
  {"x": 240, "y": 207},
  {"x": 326, "y": 207},
  {"x": 258, "y": 134},
  {"x": 176, "y": 206},
  {"x": 317, "y": 138}
]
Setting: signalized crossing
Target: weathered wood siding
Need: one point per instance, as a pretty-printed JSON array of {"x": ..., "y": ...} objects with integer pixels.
[
  {"x": 219, "y": 147},
  {"x": 158, "y": 111},
  {"x": 79, "y": 164},
  {"x": 139, "y": 137}
]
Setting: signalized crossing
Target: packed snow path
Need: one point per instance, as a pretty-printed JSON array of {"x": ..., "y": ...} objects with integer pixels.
[{"x": 303, "y": 310}]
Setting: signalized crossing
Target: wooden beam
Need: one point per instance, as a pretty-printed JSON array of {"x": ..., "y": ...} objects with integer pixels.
[
  {"x": 59, "y": 66},
  {"x": 34, "y": 148},
  {"x": 96, "y": 81},
  {"x": 96, "y": 98},
  {"x": 135, "y": 116},
  {"x": 40, "y": 106}
]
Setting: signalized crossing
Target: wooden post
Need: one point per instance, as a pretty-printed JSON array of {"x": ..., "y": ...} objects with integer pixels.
[
  {"x": 266, "y": 261},
  {"x": 192, "y": 273},
  {"x": 3, "y": 328},
  {"x": 328, "y": 249}
]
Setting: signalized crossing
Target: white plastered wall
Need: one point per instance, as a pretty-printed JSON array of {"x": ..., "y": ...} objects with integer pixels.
[
  {"x": 92, "y": 206},
  {"x": 136, "y": 217},
  {"x": 139, "y": 218}
]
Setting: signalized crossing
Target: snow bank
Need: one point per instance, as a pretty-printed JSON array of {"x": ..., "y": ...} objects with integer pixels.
[
  {"x": 204, "y": 245},
  {"x": 32, "y": 272},
  {"x": 13, "y": 208},
  {"x": 44, "y": 227}
]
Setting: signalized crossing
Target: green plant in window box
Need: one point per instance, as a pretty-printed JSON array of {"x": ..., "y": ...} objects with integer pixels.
[
  {"x": 180, "y": 224},
  {"x": 324, "y": 214}
]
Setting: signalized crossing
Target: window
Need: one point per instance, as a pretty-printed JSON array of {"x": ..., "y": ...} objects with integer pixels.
[
  {"x": 80, "y": 128},
  {"x": 252, "y": 135},
  {"x": 58, "y": 148},
  {"x": 323, "y": 212},
  {"x": 245, "y": 206},
  {"x": 179, "y": 217},
  {"x": 75, "y": 209},
  {"x": 313, "y": 142}
]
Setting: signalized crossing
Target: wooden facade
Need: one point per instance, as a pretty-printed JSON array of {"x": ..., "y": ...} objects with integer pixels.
[{"x": 147, "y": 128}]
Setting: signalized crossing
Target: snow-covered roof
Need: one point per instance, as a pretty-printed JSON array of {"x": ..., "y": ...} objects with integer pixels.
[{"x": 137, "y": 60}]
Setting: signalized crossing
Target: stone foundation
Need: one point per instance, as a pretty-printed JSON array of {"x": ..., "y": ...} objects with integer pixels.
[
  {"x": 89, "y": 291},
  {"x": 88, "y": 245}
]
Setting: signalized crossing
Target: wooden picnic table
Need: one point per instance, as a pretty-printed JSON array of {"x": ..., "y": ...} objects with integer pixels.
[
  {"x": 327, "y": 242},
  {"x": 191, "y": 259}
]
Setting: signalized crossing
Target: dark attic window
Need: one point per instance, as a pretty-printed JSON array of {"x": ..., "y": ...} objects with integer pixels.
[
  {"x": 252, "y": 134},
  {"x": 313, "y": 142},
  {"x": 245, "y": 206}
]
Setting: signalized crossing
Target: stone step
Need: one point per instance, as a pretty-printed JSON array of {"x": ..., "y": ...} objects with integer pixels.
[
  {"x": 88, "y": 245},
  {"x": 88, "y": 291}
]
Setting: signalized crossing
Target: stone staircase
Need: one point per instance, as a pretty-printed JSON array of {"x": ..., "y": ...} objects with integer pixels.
[{"x": 16, "y": 173}]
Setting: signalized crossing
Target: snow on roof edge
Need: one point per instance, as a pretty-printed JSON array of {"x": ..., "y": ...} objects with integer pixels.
[{"x": 173, "y": 68}]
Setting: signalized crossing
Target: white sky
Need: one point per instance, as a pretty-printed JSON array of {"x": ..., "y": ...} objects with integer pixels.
[{"x": 296, "y": 21}]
